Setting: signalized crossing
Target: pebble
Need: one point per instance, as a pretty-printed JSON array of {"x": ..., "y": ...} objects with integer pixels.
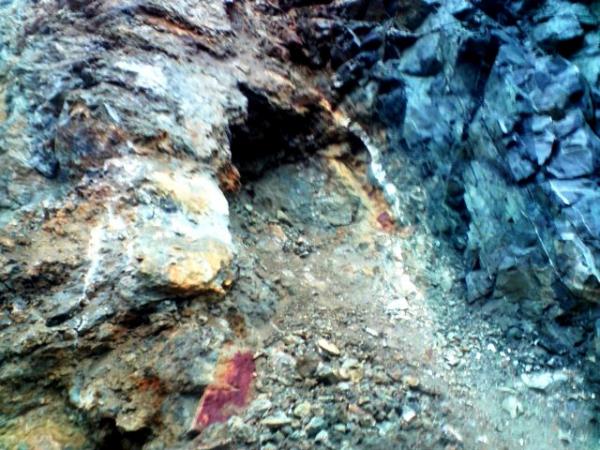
[
  {"x": 315, "y": 425},
  {"x": 322, "y": 436},
  {"x": 307, "y": 366},
  {"x": 564, "y": 436},
  {"x": 7, "y": 243},
  {"x": 411, "y": 381},
  {"x": 329, "y": 347},
  {"x": 452, "y": 359},
  {"x": 483, "y": 439},
  {"x": 451, "y": 433},
  {"x": 400, "y": 304},
  {"x": 326, "y": 373},
  {"x": 302, "y": 410},
  {"x": 283, "y": 218},
  {"x": 259, "y": 405},
  {"x": 340, "y": 428},
  {"x": 512, "y": 406},
  {"x": 541, "y": 381},
  {"x": 408, "y": 415},
  {"x": 242, "y": 430},
  {"x": 277, "y": 420},
  {"x": 372, "y": 332}
]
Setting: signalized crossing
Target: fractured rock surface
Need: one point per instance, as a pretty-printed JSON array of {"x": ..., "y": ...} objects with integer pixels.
[
  {"x": 120, "y": 127},
  {"x": 116, "y": 123},
  {"x": 493, "y": 107}
]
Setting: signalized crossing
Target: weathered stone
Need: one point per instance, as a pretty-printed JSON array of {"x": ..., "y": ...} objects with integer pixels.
[
  {"x": 512, "y": 406},
  {"x": 479, "y": 285},
  {"x": 277, "y": 420},
  {"x": 542, "y": 381},
  {"x": 561, "y": 32},
  {"x": 562, "y": 8},
  {"x": 578, "y": 155},
  {"x": 425, "y": 57}
]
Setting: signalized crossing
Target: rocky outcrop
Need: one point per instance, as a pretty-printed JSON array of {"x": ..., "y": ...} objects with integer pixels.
[
  {"x": 493, "y": 105},
  {"x": 120, "y": 127},
  {"x": 117, "y": 121}
]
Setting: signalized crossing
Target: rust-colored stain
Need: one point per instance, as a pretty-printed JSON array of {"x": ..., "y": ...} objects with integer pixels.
[
  {"x": 151, "y": 384},
  {"x": 230, "y": 391},
  {"x": 229, "y": 178}
]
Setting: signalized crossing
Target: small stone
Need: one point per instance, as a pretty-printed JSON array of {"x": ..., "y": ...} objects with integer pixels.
[
  {"x": 277, "y": 420},
  {"x": 322, "y": 436},
  {"x": 395, "y": 374},
  {"x": 408, "y": 415},
  {"x": 292, "y": 339},
  {"x": 452, "y": 434},
  {"x": 452, "y": 359},
  {"x": 283, "y": 218},
  {"x": 260, "y": 405},
  {"x": 340, "y": 428},
  {"x": 541, "y": 381},
  {"x": 302, "y": 410},
  {"x": 344, "y": 386},
  {"x": 380, "y": 377},
  {"x": 241, "y": 430},
  {"x": 344, "y": 374},
  {"x": 483, "y": 439},
  {"x": 350, "y": 363},
  {"x": 297, "y": 435},
  {"x": 564, "y": 436},
  {"x": 400, "y": 304},
  {"x": 329, "y": 347},
  {"x": 372, "y": 332},
  {"x": 366, "y": 420},
  {"x": 7, "y": 243},
  {"x": 315, "y": 426},
  {"x": 512, "y": 406},
  {"x": 307, "y": 366},
  {"x": 326, "y": 373},
  {"x": 411, "y": 381}
]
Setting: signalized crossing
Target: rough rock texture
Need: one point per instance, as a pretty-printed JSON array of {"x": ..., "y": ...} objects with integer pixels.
[
  {"x": 119, "y": 123},
  {"x": 116, "y": 126},
  {"x": 494, "y": 106}
]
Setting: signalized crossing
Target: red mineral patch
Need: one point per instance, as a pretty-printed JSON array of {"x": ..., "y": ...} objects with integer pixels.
[
  {"x": 386, "y": 221},
  {"x": 229, "y": 392}
]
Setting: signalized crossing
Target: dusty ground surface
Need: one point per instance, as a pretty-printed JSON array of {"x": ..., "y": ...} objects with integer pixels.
[{"x": 371, "y": 343}]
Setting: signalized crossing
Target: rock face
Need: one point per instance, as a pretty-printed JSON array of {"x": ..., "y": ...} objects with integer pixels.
[
  {"x": 118, "y": 121},
  {"x": 116, "y": 126},
  {"x": 494, "y": 106}
]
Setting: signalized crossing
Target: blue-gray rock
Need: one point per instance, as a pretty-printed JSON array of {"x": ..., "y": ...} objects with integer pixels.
[
  {"x": 425, "y": 57},
  {"x": 578, "y": 155},
  {"x": 562, "y": 33}
]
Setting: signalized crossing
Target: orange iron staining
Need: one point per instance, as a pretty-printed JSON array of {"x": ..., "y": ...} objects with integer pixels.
[{"x": 229, "y": 393}]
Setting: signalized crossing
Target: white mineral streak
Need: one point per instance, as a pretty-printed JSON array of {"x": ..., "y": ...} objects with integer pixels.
[
  {"x": 377, "y": 171},
  {"x": 94, "y": 255}
]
